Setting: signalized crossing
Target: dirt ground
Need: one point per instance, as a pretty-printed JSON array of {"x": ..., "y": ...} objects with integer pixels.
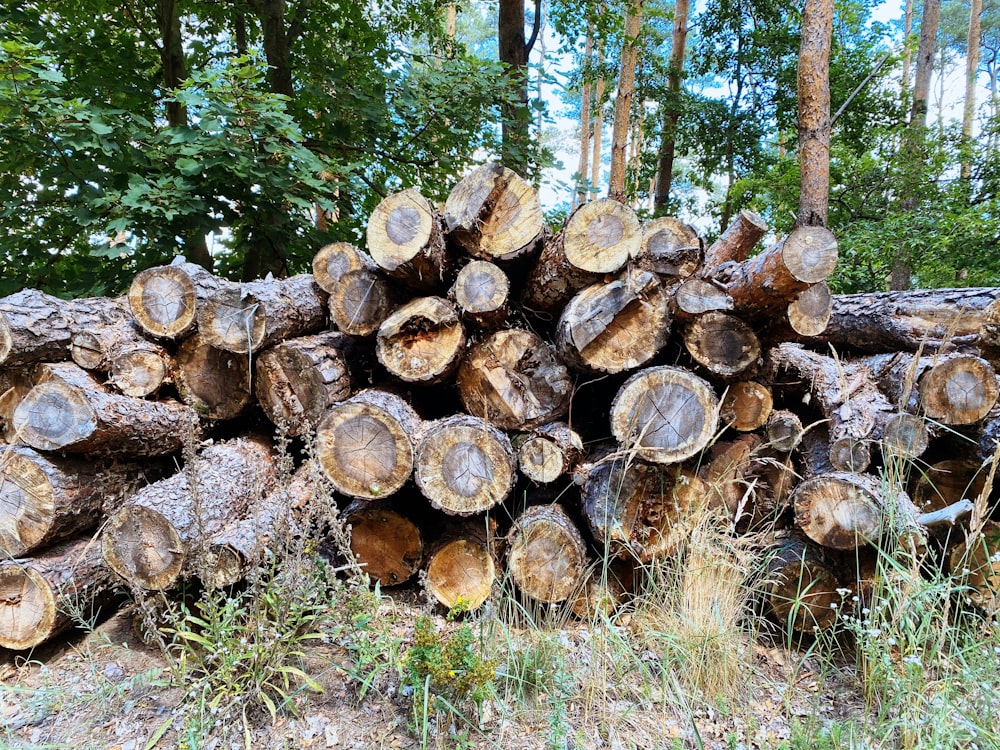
[{"x": 108, "y": 690}]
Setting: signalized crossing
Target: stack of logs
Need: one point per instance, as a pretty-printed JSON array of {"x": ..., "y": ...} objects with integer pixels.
[{"x": 475, "y": 391}]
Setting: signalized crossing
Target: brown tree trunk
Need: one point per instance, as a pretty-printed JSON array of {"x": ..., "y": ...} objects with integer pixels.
[
  {"x": 666, "y": 414},
  {"x": 615, "y": 326},
  {"x": 814, "y": 113},
  {"x": 513, "y": 52},
  {"x": 514, "y": 380},
  {"x": 39, "y": 594},
  {"x": 248, "y": 317},
  {"x": 149, "y": 542},
  {"x": 464, "y": 465},
  {"x": 406, "y": 240},
  {"x": 44, "y": 498},
  {"x": 737, "y": 242},
  {"x": 623, "y": 100},
  {"x": 971, "y": 73},
  {"x": 69, "y": 410},
  {"x": 297, "y": 380},
  {"x": 493, "y": 214},
  {"x": 421, "y": 342},
  {"x": 364, "y": 444},
  {"x": 213, "y": 382},
  {"x": 672, "y": 107},
  {"x": 546, "y": 556}
]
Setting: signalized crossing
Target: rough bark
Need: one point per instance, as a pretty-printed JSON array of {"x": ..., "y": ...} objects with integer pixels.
[
  {"x": 669, "y": 248},
  {"x": 615, "y": 326},
  {"x": 134, "y": 365},
  {"x": 778, "y": 275},
  {"x": 298, "y": 380},
  {"x": 213, "y": 382},
  {"x": 666, "y": 414},
  {"x": 737, "y": 242},
  {"x": 723, "y": 344},
  {"x": 38, "y": 594},
  {"x": 493, "y": 214},
  {"x": 406, "y": 240},
  {"x": 672, "y": 107},
  {"x": 251, "y": 316},
  {"x": 514, "y": 380},
  {"x": 69, "y": 410},
  {"x": 549, "y": 452},
  {"x": 361, "y": 301},
  {"x": 814, "y": 113},
  {"x": 149, "y": 541},
  {"x": 164, "y": 300},
  {"x": 421, "y": 342},
  {"x": 623, "y": 99},
  {"x": 546, "y": 556},
  {"x": 45, "y": 498},
  {"x": 464, "y": 465},
  {"x": 364, "y": 444},
  {"x": 481, "y": 292},
  {"x": 599, "y": 237},
  {"x": 385, "y": 542},
  {"x": 37, "y": 327}
]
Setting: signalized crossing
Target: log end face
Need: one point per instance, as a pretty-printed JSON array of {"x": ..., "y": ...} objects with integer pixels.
[
  {"x": 27, "y": 507},
  {"x": 221, "y": 566},
  {"x": 960, "y": 390},
  {"x": 399, "y": 228},
  {"x": 602, "y": 236},
  {"x": 163, "y": 301},
  {"x": 540, "y": 459},
  {"x": 547, "y": 558},
  {"x": 835, "y": 511},
  {"x": 142, "y": 547},
  {"x": 333, "y": 261},
  {"x": 6, "y": 339},
  {"x": 27, "y": 607},
  {"x": 810, "y": 254},
  {"x": 422, "y": 341},
  {"x": 54, "y": 415},
  {"x": 461, "y": 574},
  {"x": 139, "y": 373},
  {"x": 387, "y": 544},
  {"x": 233, "y": 320}
]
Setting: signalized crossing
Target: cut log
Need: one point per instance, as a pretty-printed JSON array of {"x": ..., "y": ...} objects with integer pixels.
[
  {"x": 731, "y": 485},
  {"x": 801, "y": 588},
  {"x": 953, "y": 389},
  {"x": 641, "y": 511},
  {"x": 384, "y": 541},
  {"x": 546, "y": 557},
  {"x": 783, "y": 430},
  {"x": 38, "y": 595},
  {"x": 37, "y": 327},
  {"x": 722, "y": 344},
  {"x": 406, "y": 240},
  {"x": 616, "y": 326},
  {"x": 69, "y": 410},
  {"x": 810, "y": 313},
  {"x": 165, "y": 299},
  {"x": 364, "y": 444},
  {"x": 149, "y": 540},
  {"x": 746, "y": 405},
  {"x": 841, "y": 510},
  {"x": 692, "y": 297},
  {"x": 977, "y": 563},
  {"x": 846, "y": 394},
  {"x": 422, "y": 342},
  {"x": 298, "y": 380},
  {"x": 925, "y": 319},
  {"x": 461, "y": 569},
  {"x": 249, "y": 317},
  {"x": 604, "y": 590},
  {"x": 335, "y": 260},
  {"x": 773, "y": 279},
  {"x": 947, "y": 482},
  {"x": 464, "y": 465},
  {"x": 599, "y": 237},
  {"x": 481, "y": 292},
  {"x": 135, "y": 365},
  {"x": 665, "y": 414},
  {"x": 514, "y": 380},
  {"x": 904, "y": 435},
  {"x": 549, "y": 452},
  {"x": 213, "y": 382},
  {"x": 494, "y": 215},
  {"x": 361, "y": 301},
  {"x": 270, "y": 530},
  {"x": 45, "y": 498},
  {"x": 737, "y": 242},
  {"x": 670, "y": 248},
  {"x": 14, "y": 386}
]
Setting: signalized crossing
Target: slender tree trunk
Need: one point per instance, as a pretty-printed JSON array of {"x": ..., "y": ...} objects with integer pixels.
[
  {"x": 907, "y": 30},
  {"x": 623, "y": 100},
  {"x": 583, "y": 169},
  {"x": 513, "y": 50},
  {"x": 671, "y": 107},
  {"x": 971, "y": 69},
  {"x": 814, "y": 112},
  {"x": 913, "y": 139},
  {"x": 595, "y": 158}
]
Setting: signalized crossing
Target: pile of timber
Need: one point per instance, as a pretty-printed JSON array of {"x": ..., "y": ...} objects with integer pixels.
[{"x": 478, "y": 394}]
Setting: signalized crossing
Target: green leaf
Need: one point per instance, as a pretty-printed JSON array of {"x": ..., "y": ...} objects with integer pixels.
[{"x": 188, "y": 167}]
